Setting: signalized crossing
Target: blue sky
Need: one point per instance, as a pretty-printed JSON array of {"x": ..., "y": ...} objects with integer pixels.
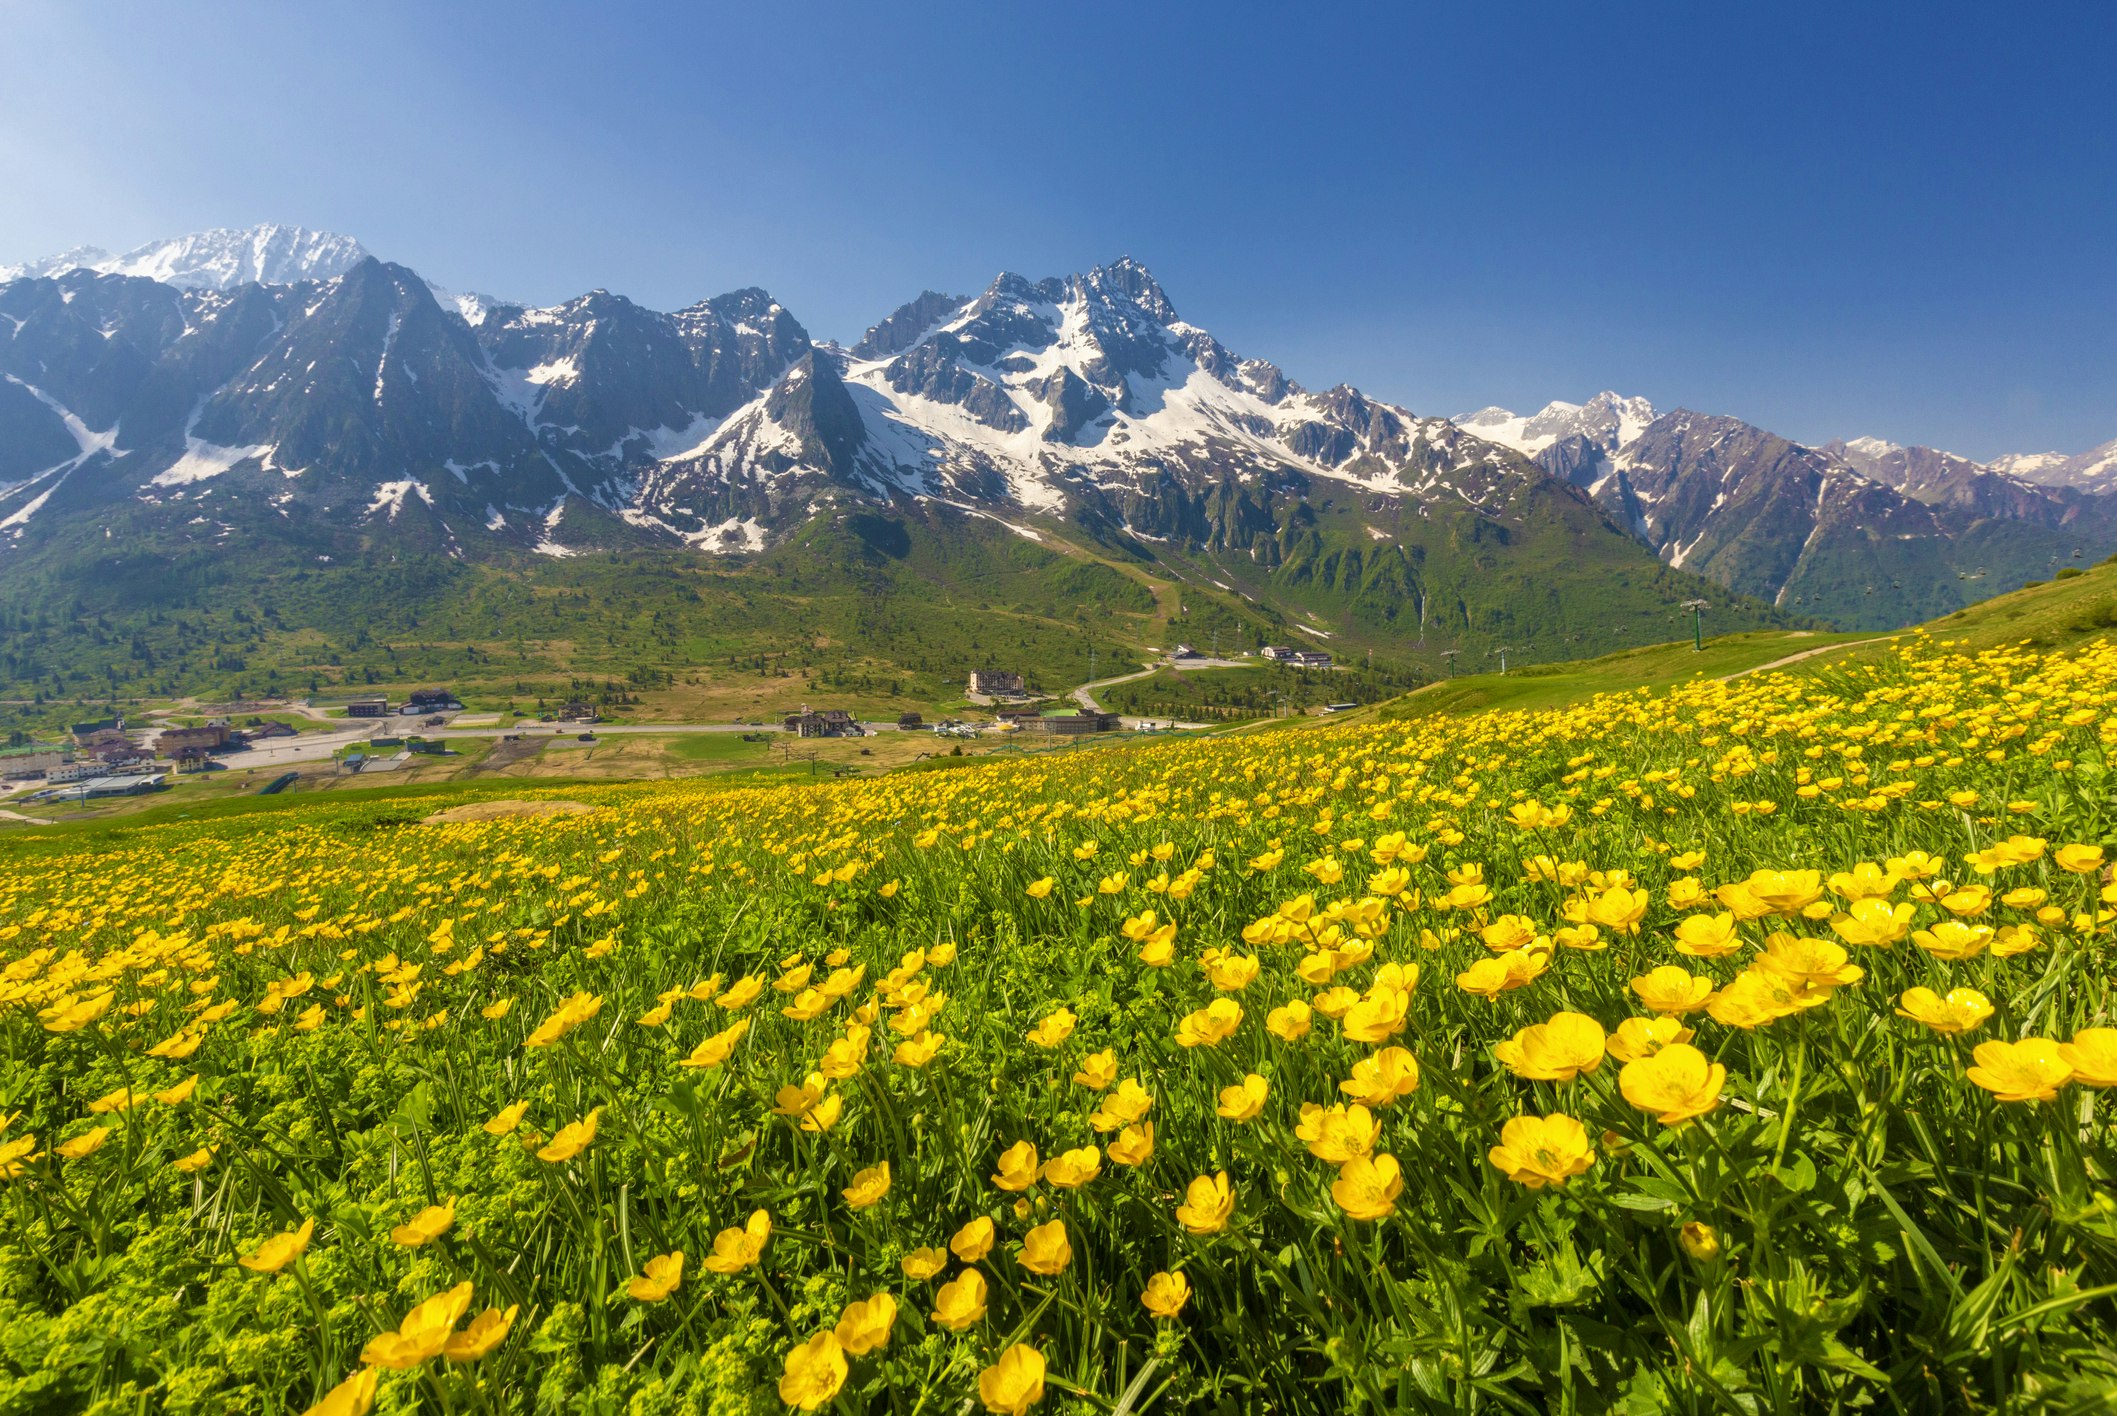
[{"x": 1897, "y": 220}]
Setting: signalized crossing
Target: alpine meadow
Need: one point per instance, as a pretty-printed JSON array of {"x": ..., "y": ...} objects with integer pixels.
[{"x": 1378, "y": 711}]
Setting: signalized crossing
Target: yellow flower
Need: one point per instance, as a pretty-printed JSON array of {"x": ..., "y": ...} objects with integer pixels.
[
  {"x": 741, "y": 995},
  {"x": 178, "y": 1094},
  {"x": 1038, "y": 889},
  {"x": 1290, "y": 1021},
  {"x": 1813, "y": 963},
  {"x": 509, "y": 1118},
  {"x": 1865, "y": 881},
  {"x": 791, "y": 1100},
  {"x": 74, "y": 1016},
  {"x": 2030, "y": 1070},
  {"x": 193, "y": 1163},
  {"x": 1166, "y": 1293},
  {"x": 974, "y": 1240},
  {"x": 1230, "y": 973},
  {"x": 1018, "y": 1168},
  {"x": 120, "y": 1100},
  {"x": 864, "y": 1327},
  {"x": 1675, "y": 1085},
  {"x": 717, "y": 1048},
  {"x": 280, "y": 1250},
  {"x": 658, "y": 1278},
  {"x": 355, "y": 1396},
  {"x": 2080, "y": 860},
  {"x": 426, "y": 1226},
  {"x": 570, "y": 1014},
  {"x": 1054, "y": 1029},
  {"x": 923, "y": 1263},
  {"x": 1699, "y": 1241},
  {"x": 1075, "y": 1168},
  {"x": 1098, "y": 1070},
  {"x": 736, "y": 1249},
  {"x": 959, "y": 1304},
  {"x": 1377, "y": 1017},
  {"x": 2092, "y": 1054},
  {"x": 916, "y": 1052},
  {"x": 1758, "y": 997},
  {"x": 1010, "y": 1386},
  {"x": 1554, "y": 1051},
  {"x": 84, "y": 1145},
  {"x": 571, "y": 1139},
  {"x": 1542, "y": 1150},
  {"x": 1619, "y": 910},
  {"x": 814, "y": 1372},
  {"x": 868, "y": 1187},
  {"x": 1207, "y": 1204},
  {"x": 1873, "y": 922},
  {"x": 1338, "y": 1133},
  {"x": 1953, "y": 940},
  {"x": 423, "y": 1333},
  {"x": 1386, "y": 1076},
  {"x": 1133, "y": 1145},
  {"x": 485, "y": 1332},
  {"x": 1211, "y": 1025},
  {"x": 1963, "y": 1010},
  {"x": 1508, "y": 933},
  {"x": 1245, "y": 1099},
  {"x": 1046, "y": 1250},
  {"x": 1643, "y": 1037},
  {"x": 1672, "y": 990},
  {"x": 1489, "y": 978},
  {"x": 1785, "y": 891},
  {"x": 1707, "y": 936},
  {"x": 1367, "y": 1187}
]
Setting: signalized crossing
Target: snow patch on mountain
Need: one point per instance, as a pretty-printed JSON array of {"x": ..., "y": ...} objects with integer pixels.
[
  {"x": 1608, "y": 421},
  {"x": 219, "y": 259}
]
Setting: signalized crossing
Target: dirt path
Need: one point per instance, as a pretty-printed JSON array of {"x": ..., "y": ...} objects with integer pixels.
[
  {"x": 1085, "y": 696},
  {"x": 1805, "y": 654}
]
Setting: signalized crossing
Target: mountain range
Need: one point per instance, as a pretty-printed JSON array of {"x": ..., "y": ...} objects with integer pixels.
[
  {"x": 1862, "y": 532},
  {"x": 240, "y": 405}
]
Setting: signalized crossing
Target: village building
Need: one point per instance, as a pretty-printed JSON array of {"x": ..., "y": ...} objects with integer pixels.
[
  {"x": 829, "y": 723},
  {"x": 29, "y": 763},
  {"x": 995, "y": 682},
  {"x": 368, "y": 705},
  {"x": 1294, "y": 658}
]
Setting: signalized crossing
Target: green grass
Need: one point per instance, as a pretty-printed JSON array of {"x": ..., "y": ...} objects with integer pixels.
[{"x": 1657, "y": 667}]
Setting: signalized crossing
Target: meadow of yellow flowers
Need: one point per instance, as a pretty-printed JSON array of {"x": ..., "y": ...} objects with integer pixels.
[{"x": 1739, "y": 1049}]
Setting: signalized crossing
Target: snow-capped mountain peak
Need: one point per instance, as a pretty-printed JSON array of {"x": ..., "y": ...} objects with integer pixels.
[
  {"x": 219, "y": 259},
  {"x": 1607, "y": 421}
]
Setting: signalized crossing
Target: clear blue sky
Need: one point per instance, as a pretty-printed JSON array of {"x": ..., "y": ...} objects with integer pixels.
[{"x": 1837, "y": 219}]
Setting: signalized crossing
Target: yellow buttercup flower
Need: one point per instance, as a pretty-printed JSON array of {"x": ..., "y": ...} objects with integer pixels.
[
  {"x": 1098, "y": 1070},
  {"x": 1367, "y": 1187},
  {"x": 1962, "y": 1010},
  {"x": 1207, "y": 1205},
  {"x": 1242, "y": 1101},
  {"x": 1672, "y": 990},
  {"x": 1014, "y": 1383},
  {"x": 1046, "y": 1249},
  {"x": 1017, "y": 1168},
  {"x": 1554, "y": 1051},
  {"x": 2030, "y": 1070},
  {"x": 658, "y": 1278},
  {"x": 509, "y": 1118},
  {"x": 974, "y": 1240},
  {"x": 1166, "y": 1293},
  {"x": 427, "y": 1225},
  {"x": 1054, "y": 1029},
  {"x": 960, "y": 1303},
  {"x": 1133, "y": 1145},
  {"x": 815, "y": 1371},
  {"x": 280, "y": 1250},
  {"x": 737, "y": 1249},
  {"x": 1542, "y": 1150},
  {"x": 1210, "y": 1025},
  {"x": 422, "y": 1335},
  {"x": 1388, "y": 1075},
  {"x": 864, "y": 1327},
  {"x": 481, "y": 1335},
  {"x": 868, "y": 1187},
  {"x": 1074, "y": 1168},
  {"x": 1290, "y": 1021},
  {"x": 923, "y": 1263},
  {"x": 719, "y": 1047},
  {"x": 1707, "y": 936},
  {"x": 1643, "y": 1037},
  {"x": 1675, "y": 1085},
  {"x": 2092, "y": 1054},
  {"x": 571, "y": 1139}
]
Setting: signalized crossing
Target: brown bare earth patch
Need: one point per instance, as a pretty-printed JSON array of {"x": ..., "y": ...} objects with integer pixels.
[{"x": 496, "y": 810}]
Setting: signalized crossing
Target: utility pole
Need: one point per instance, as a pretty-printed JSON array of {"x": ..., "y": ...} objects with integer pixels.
[
  {"x": 1502, "y": 651},
  {"x": 1697, "y": 609}
]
